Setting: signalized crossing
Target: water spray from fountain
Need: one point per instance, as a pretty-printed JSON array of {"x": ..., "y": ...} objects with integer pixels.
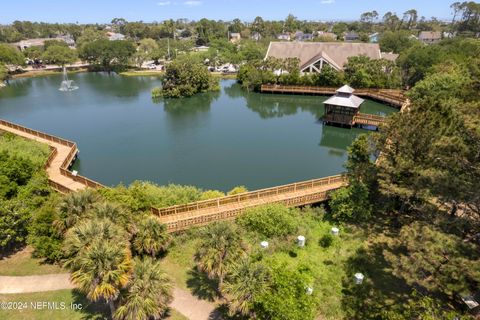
[{"x": 67, "y": 85}]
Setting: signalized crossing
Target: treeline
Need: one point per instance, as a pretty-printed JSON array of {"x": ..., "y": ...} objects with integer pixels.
[
  {"x": 424, "y": 184},
  {"x": 359, "y": 72}
]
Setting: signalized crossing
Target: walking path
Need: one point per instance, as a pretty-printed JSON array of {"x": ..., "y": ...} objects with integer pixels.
[{"x": 183, "y": 301}]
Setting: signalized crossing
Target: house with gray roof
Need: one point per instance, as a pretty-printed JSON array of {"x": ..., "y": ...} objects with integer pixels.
[{"x": 430, "y": 36}]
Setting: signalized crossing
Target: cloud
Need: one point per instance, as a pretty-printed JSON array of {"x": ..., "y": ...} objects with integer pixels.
[
  {"x": 192, "y": 3},
  {"x": 164, "y": 3},
  {"x": 327, "y": 1}
]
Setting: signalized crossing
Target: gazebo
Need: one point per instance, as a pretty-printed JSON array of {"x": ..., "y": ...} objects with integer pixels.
[{"x": 342, "y": 107}]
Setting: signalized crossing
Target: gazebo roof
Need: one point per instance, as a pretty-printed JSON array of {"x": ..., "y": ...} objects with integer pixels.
[
  {"x": 346, "y": 89},
  {"x": 345, "y": 98}
]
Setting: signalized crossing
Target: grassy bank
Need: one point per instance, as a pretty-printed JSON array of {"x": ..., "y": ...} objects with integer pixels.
[
  {"x": 42, "y": 73},
  {"x": 142, "y": 73},
  {"x": 23, "y": 264}
]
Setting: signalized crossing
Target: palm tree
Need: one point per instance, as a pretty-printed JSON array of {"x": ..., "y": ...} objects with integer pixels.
[
  {"x": 221, "y": 246},
  {"x": 148, "y": 293},
  {"x": 243, "y": 285},
  {"x": 150, "y": 237},
  {"x": 110, "y": 211},
  {"x": 99, "y": 258},
  {"x": 73, "y": 207}
]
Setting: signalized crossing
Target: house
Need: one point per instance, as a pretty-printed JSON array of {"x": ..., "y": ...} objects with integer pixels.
[
  {"x": 430, "y": 36},
  {"x": 113, "y": 36},
  {"x": 327, "y": 35},
  {"x": 284, "y": 36},
  {"x": 235, "y": 37},
  {"x": 300, "y": 36},
  {"x": 313, "y": 56},
  {"x": 342, "y": 107},
  {"x": 373, "y": 38},
  {"x": 351, "y": 36}
]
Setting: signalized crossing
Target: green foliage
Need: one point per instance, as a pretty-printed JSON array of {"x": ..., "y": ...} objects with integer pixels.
[
  {"x": 425, "y": 256},
  {"x": 363, "y": 72},
  {"x": 220, "y": 248},
  {"x": 54, "y": 43},
  {"x": 148, "y": 294},
  {"x": 10, "y": 55},
  {"x": 359, "y": 165},
  {"x": 108, "y": 55},
  {"x": 99, "y": 259},
  {"x": 326, "y": 240},
  {"x": 141, "y": 195},
  {"x": 396, "y": 41},
  {"x": 150, "y": 237},
  {"x": 246, "y": 282},
  {"x": 60, "y": 55},
  {"x": 287, "y": 297},
  {"x": 273, "y": 220},
  {"x": 13, "y": 223},
  {"x": 33, "y": 53},
  {"x": 237, "y": 190},
  {"x": 351, "y": 203},
  {"x": 211, "y": 194},
  {"x": 185, "y": 77},
  {"x": 43, "y": 236}
]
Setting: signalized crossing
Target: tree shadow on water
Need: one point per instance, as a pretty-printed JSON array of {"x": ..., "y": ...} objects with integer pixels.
[{"x": 201, "y": 286}]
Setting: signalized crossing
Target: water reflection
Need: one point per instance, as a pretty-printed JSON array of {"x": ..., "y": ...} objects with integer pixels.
[
  {"x": 112, "y": 84},
  {"x": 188, "y": 106},
  {"x": 337, "y": 139}
]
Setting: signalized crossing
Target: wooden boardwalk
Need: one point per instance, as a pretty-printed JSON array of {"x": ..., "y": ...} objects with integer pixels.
[
  {"x": 63, "y": 154},
  {"x": 393, "y": 97},
  {"x": 182, "y": 217}
]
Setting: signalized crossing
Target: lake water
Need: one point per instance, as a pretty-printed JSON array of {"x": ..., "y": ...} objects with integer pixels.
[{"x": 213, "y": 140}]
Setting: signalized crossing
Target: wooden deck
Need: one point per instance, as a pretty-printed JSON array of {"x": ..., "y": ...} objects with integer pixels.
[
  {"x": 392, "y": 97},
  {"x": 63, "y": 154},
  {"x": 368, "y": 119},
  {"x": 182, "y": 217}
]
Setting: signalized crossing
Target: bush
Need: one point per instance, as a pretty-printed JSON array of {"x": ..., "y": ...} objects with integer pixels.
[
  {"x": 273, "y": 220},
  {"x": 326, "y": 241},
  {"x": 351, "y": 203}
]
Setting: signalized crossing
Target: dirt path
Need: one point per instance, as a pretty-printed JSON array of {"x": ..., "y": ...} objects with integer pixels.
[{"x": 183, "y": 301}]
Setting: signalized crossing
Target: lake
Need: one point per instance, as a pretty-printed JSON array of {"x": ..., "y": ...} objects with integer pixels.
[{"x": 212, "y": 140}]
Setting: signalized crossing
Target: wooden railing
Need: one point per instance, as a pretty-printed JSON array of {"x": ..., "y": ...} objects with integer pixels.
[
  {"x": 247, "y": 196},
  {"x": 391, "y": 96},
  {"x": 64, "y": 168}
]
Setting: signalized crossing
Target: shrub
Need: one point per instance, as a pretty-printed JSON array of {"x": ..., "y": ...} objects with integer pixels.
[
  {"x": 326, "y": 241},
  {"x": 237, "y": 190},
  {"x": 273, "y": 220},
  {"x": 351, "y": 203}
]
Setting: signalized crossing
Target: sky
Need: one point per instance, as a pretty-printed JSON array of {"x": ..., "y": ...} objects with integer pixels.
[{"x": 102, "y": 11}]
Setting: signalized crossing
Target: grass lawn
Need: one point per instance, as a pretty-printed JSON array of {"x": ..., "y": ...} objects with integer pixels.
[
  {"x": 154, "y": 73},
  {"x": 21, "y": 263},
  {"x": 42, "y": 72},
  {"x": 355, "y": 249}
]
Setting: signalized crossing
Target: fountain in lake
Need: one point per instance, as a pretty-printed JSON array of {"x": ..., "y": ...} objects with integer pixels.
[{"x": 67, "y": 85}]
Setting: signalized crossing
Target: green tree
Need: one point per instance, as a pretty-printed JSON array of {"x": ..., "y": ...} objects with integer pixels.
[
  {"x": 108, "y": 55},
  {"x": 359, "y": 165},
  {"x": 396, "y": 41},
  {"x": 73, "y": 207},
  {"x": 99, "y": 259},
  {"x": 147, "y": 49},
  {"x": 220, "y": 247},
  {"x": 287, "y": 297},
  {"x": 33, "y": 53},
  {"x": 150, "y": 237},
  {"x": 351, "y": 203},
  {"x": 246, "y": 282},
  {"x": 59, "y": 55},
  {"x": 10, "y": 55},
  {"x": 186, "y": 77},
  {"x": 425, "y": 256},
  {"x": 274, "y": 220},
  {"x": 148, "y": 293}
]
